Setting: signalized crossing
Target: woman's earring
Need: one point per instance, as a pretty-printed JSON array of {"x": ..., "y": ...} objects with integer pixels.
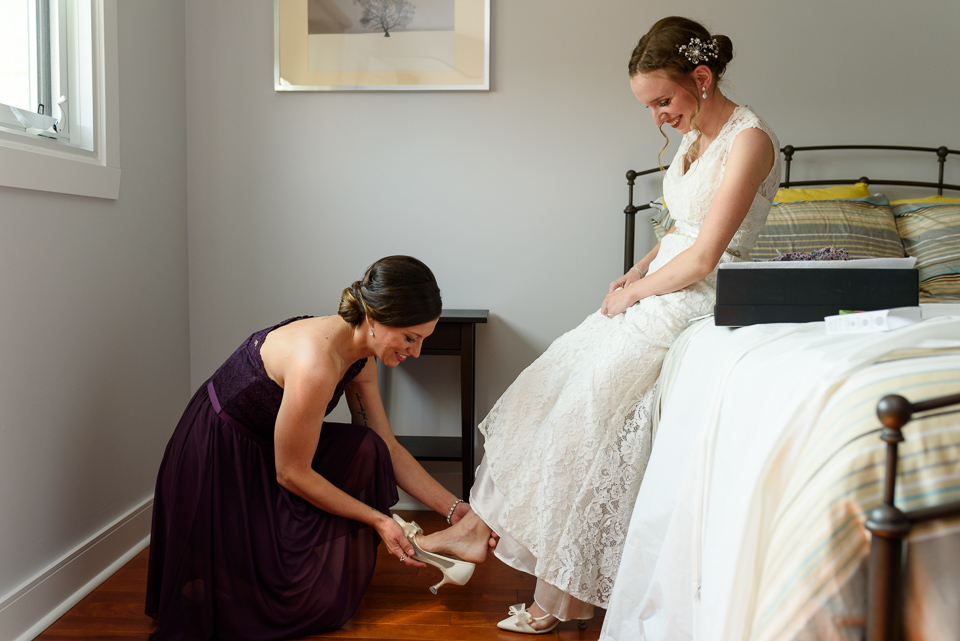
[
  {"x": 371, "y": 330},
  {"x": 704, "y": 94}
]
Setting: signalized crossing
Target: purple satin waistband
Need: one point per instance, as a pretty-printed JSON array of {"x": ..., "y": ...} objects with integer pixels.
[{"x": 229, "y": 420}]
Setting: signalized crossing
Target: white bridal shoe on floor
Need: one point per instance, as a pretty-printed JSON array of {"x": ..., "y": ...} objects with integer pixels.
[
  {"x": 454, "y": 570},
  {"x": 520, "y": 620}
]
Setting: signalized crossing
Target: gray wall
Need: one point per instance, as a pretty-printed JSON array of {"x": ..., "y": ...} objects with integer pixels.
[
  {"x": 512, "y": 196},
  {"x": 94, "y": 354}
]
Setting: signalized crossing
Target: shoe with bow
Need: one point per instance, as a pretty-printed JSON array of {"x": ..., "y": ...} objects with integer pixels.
[
  {"x": 521, "y": 621},
  {"x": 454, "y": 570}
]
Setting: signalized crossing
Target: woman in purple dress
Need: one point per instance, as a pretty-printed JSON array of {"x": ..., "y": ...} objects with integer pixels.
[{"x": 267, "y": 518}]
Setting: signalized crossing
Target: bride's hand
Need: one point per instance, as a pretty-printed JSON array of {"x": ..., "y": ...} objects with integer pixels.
[
  {"x": 630, "y": 277},
  {"x": 616, "y": 302}
]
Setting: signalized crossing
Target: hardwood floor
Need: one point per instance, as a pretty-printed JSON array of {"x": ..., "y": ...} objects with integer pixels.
[{"x": 398, "y": 605}]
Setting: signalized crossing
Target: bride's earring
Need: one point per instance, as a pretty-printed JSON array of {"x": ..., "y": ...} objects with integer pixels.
[
  {"x": 704, "y": 94},
  {"x": 371, "y": 330}
]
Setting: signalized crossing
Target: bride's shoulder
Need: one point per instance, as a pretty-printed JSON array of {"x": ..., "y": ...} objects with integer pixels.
[{"x": 745, "y": 117}]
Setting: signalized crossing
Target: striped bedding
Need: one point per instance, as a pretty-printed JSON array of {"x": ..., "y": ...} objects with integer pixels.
[
  {"x": 818, "y": 542},
  {"x": 803, "y": 544}
]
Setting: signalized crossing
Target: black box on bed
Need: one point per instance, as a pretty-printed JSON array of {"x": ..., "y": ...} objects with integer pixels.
[{"x": 772, "y": 295}]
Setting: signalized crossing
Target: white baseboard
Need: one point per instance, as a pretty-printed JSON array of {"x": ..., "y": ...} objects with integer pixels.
[{"x": 30, "y": 609}]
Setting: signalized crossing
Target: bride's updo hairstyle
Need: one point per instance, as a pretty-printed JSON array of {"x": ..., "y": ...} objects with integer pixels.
[
  {"x": 666, "y": 48},
  {"x": 397, "y": 291}
]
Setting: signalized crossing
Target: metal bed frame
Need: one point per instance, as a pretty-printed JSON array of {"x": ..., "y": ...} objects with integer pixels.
[
  {"x": 788, "y": 152},
  {"x": 889, "y": 525}
]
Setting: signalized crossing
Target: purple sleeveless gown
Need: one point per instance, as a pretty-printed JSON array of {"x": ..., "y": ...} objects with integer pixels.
[{"x": 234, "y": 556}]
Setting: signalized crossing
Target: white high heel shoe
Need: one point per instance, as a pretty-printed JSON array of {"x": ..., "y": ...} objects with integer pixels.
[
  {"x": 454, "y": 570},
  {"x": 520, "y": 621}
]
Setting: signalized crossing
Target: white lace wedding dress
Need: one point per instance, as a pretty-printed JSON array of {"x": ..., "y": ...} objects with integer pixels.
[{"x": 568, "y": 442}]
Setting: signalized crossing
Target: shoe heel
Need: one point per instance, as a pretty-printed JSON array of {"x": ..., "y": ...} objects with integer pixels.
[
  {"x": 434, "y": 588},
  {"x": 454, "y": 570},
  {"x": 457, "y": 575}
]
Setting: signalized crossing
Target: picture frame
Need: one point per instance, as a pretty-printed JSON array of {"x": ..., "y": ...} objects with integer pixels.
[{"x": 382, "y": 45}]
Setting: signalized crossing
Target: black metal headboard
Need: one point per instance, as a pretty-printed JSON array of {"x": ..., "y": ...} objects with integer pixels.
[{"x": 788, "y": 152}]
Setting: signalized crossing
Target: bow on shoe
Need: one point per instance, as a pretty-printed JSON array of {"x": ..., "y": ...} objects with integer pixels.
[
  {"x": 410, "y": 528},
  {"x": 520, "y": 612}
]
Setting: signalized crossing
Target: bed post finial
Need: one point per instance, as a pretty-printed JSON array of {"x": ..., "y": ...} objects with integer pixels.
[
  {"x": 894, "y": 411},
  {"x": 942, "y": 159},
  {"x": 788, "y": 158}
]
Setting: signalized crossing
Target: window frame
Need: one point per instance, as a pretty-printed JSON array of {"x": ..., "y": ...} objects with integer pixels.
[{"x": 31, "y": 162}]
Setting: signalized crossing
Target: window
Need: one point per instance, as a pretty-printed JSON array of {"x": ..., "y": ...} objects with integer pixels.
[
  {"x": 15, "y": 48},
  {"x": 35, "y": 33},
  {"x": 59, "y": 96}
]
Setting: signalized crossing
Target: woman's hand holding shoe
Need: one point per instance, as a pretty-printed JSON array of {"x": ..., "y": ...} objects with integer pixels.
[{"x": 396, "y": 541}]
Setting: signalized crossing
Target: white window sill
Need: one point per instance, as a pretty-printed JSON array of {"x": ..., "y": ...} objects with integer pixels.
[{"x": 50, "y": 166}]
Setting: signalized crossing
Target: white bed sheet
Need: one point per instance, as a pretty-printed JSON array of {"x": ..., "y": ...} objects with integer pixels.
[{"x": 733, "y": 418}]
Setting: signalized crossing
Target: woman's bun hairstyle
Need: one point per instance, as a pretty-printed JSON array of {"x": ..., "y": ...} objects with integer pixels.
[
  {"x": 398, "y": 291},
  {"x": 659, "y": 49},
  {"x": 351, "y": 304}
]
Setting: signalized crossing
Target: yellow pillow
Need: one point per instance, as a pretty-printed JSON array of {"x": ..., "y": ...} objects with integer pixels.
[
  {"x": 859, "y": 190},
  {"x": 936, "y": 200}
]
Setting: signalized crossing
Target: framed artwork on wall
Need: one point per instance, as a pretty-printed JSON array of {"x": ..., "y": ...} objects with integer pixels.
[{"x": 382, "y": 45}]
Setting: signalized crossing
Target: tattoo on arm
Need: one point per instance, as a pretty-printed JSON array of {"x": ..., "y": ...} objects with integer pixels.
[{"x": 361, "y": 413}]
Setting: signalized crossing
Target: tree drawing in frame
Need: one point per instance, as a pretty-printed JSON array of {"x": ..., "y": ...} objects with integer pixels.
[
  {"x": 349, "y": 45},
  {"x": 385, "y": 14}
]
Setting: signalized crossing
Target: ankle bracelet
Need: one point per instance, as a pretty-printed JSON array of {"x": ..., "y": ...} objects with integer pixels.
[{"x": 452, "y": 508}]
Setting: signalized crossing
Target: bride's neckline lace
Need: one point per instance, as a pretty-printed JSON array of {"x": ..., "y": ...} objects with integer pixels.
[{"x": 713, "y": 143}]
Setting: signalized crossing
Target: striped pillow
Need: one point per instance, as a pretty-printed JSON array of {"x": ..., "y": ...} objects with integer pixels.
[
  {"x": 660, "y": 218},
  {"x": 866, "y": 228},
  {"x": 931, "y": 233}
]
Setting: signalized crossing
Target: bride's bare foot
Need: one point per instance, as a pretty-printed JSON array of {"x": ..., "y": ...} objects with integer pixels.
[{"x": 469, "y": 540}]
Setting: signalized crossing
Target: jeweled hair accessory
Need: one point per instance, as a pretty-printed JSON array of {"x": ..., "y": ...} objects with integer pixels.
[{"x": 698, "y": 51}]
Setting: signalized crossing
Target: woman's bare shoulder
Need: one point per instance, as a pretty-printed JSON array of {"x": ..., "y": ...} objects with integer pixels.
[{"x": 305, "y": 349}]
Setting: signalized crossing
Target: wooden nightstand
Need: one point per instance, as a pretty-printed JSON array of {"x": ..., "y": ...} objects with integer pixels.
[{"x": 455, "y": 335}]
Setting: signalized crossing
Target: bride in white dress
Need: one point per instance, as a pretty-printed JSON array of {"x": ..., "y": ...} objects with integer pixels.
[{"x": 567, "y": 443}]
